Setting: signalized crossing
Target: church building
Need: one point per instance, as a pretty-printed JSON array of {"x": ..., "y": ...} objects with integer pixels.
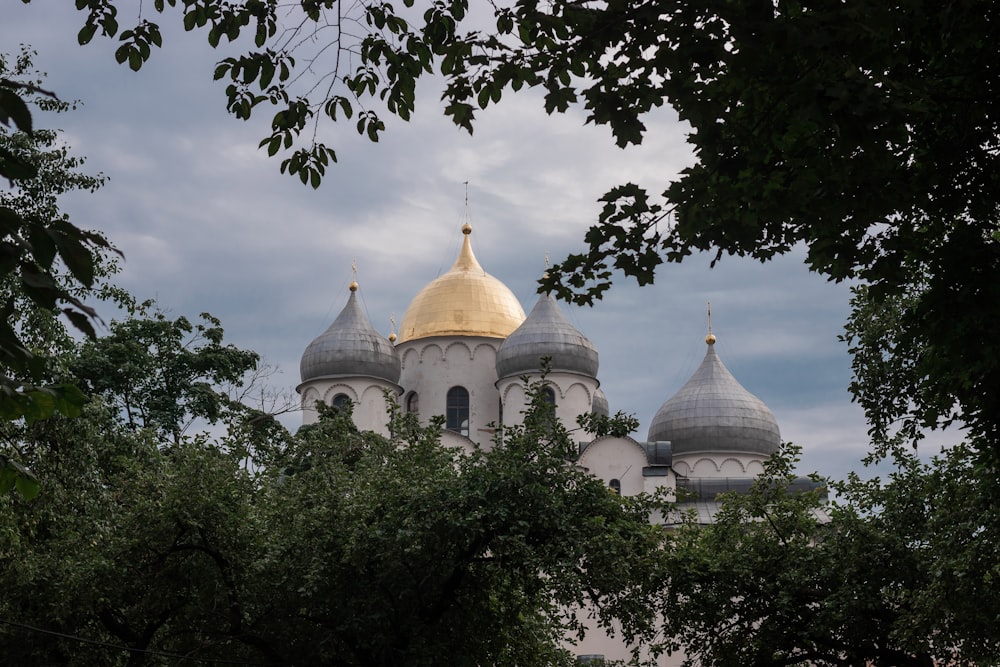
[{"x": 464, "y": 349}]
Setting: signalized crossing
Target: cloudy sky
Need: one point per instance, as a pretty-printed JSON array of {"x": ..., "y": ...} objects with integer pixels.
[{"x": 207, "y": 223}]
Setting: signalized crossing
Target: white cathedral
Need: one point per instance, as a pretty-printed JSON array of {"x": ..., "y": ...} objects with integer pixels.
[{"x": 464, "y": 350}]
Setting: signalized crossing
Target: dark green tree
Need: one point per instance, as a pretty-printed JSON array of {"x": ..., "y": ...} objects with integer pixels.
[
  {"x": 865, "y": 131},
  {"x": 48, "y": 266},
  {"x": 336, "y": 547},
  {"x": 907, "y": 386},
  {"x": 163, "y": 374},
  {"x": 132, "y": 538},
  {"x": 895, "y": 572}
]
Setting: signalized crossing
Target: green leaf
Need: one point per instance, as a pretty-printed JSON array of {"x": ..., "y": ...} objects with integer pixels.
[
  {"x": 15, "y": 475},
  {"x": 12, "y": 107},
  {"x": 43, "y": 246},
  {"x": 81, "y": 321},
  {"x": 28, "y": 487},
  {"x": 79, "y": 259},
  {"x": 12, "y": 166},
  {"x": 86, "y": 34},
  {"x": 267, "y": 70},
  {"x": 7, "y": 477},
  {"x": 10, "y": 221}
]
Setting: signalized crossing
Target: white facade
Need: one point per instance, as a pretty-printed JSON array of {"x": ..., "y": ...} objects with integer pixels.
[{"x": 433, "y": 366}]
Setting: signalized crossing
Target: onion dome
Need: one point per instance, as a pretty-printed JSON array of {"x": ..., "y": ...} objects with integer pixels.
[
  {"x": 714, "y": 413},
  {"x": 350, "y": 347},
  {"x": 465, "y": 301},
  {"x": 599, "y": 404},
  {"x": 546, "y": 333}
]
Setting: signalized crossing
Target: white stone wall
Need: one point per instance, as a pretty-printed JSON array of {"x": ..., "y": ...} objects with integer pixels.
[
  {"x": 618, "y": 458},
  {"x": 574, "y": 395},
  {"x": 432, "y": 366},
  {"x": 371, "y": 410}
]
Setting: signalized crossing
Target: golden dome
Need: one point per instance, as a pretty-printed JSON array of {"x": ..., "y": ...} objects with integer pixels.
[{"x": 465, "y": 301}]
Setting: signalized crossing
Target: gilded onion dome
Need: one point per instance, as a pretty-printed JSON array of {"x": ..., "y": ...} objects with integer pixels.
[
  {"x": 546, "y": 333},
  {"x": 465, "y": 301},
  {"x": 714, "y": 413},
  {"x": 350, "y": 346}
]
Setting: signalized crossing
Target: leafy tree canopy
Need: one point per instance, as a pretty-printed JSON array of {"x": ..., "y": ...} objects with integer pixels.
[
  {"x": 895, "y": 572},
  {"x": 162, "y": 374},
  {"x": 865, "y": 131},
  {"x": 48, "y": 266},
  {"x": 335, "y": 546},
  {"x": 38, "y": 241}
]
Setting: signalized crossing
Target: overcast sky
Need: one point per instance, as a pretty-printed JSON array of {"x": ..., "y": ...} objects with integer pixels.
[{"x": 207, "y": 223}]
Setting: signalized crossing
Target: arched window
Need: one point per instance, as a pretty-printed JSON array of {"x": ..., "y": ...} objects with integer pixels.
[
  {"x": 341, "y": 402},
  {"x": 549, "y": 397},
  {"x": 616, "y": 486},
  {"x": 549, "y": 394},
  {"x": 457, "y": 410},
  {"x": 413, "y": 402}
]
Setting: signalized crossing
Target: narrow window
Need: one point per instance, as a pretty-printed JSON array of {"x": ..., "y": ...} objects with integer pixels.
[
  {"x": 616, "y": 486},
  {"x": 549, "y": 395},
  {"x": 413, "y": 402},
  {"x": 457, "y": 410}
]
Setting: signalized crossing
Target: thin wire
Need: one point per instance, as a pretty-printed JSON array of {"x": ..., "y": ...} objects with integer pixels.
[{"x": 129, "y": 649}]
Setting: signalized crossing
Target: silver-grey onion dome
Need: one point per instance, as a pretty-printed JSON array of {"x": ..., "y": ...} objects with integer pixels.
[
  {"x": 714, "y": 413},
  {"x": 350, "y": 346},
  {"x": 599, "y": 404},
  {"x": 546, "y": 333}
]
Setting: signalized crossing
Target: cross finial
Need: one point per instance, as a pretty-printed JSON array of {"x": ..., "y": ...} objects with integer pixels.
[
  {"x": 710, "y": 338},
  {"x": 466, "y": 183},
  {"x": 354, "y": 275}
]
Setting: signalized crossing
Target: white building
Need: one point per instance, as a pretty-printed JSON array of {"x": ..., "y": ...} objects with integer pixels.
[{"x": 463, "y": 349}]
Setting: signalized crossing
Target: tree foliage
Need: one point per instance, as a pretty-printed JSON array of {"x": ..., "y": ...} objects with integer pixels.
[
  {"x": 894, "y": 572},
  {"x": 160, "y": 373},
  {"x": 47, "y": 265},
  {"x": 865, "y": 131},
  {"x": 39, "y": 242},
  {"x": 335, "y": 546},
  {"x": 907, "y": 386}
]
